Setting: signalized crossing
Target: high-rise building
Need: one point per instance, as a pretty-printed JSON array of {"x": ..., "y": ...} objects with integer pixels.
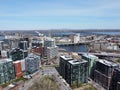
[
  {"x": 118, "y": 86},
  {"x": 49, "y": 44},
  {"x": 18, "y": 69},
  {"x": 91, "y": 62},
  {"x": 63, "y": 65},
  {"x": 23, "y": 45},
  {"x": 27, "y": 39},
  {"x": 39, "y": 50},
  {"x": 103, "y": 73},
  {"x": 116, "y": 79},
  {"x": 1, "y": 45},
  {"x": 16, "y": 54},
  {"x": 73, "y": 71},
  {"x": 75, "y": 38},
  {"x": 37, "y": 43},
  {"x": 4, "y": 54},
  {"x": 52, "y": 52},
  {"x": 77, "y": 72},
  {"x": 7, "y": 72},
  {"x": 32, "y": 63},
  {"x": 14, "y": 43}
]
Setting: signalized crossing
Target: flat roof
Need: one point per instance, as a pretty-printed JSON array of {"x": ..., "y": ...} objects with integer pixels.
[
  {"x": 74, "y": 62},
  {"x": 16, "y": 61},
  {"x": 23, "y": 41},
  {"x": 5, "y": 60},
  {"x": 49, "y": 39},
  {"x": 52, "y": 47},
  {"x": 90, "y": 55},
  {"x": 108, "y": 63},
  {"x": 37, "y": 41},
  {"x": 1, "y": 41},
  {"x": 118, "y": 82},
  {"x": 66, "y": 57},
  {"x": 118, "y": 68}
]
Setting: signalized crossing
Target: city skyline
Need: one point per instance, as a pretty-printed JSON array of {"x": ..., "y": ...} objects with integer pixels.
[{"x": 63, "y": 14}]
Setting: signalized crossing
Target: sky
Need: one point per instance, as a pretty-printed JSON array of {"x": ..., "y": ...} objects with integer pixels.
[{"x": 59, "y": 14}]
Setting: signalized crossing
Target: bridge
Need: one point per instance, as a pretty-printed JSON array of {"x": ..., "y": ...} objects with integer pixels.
[
  {"x": 65, "y": 44},
  {"x": 81, "y": 42},
  {"x": 103, "y": 54}
]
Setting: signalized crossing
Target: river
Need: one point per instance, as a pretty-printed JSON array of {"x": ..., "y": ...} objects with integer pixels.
[{"x": 74, "y": 48}]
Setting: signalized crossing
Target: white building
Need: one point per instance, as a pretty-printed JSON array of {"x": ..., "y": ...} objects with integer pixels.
[
  {"x": 52, "y": 52},
  {"x": 77, "y": 38},
  {"x": 48, "y": 43}
]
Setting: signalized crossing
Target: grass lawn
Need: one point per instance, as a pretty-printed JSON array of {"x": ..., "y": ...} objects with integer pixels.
[
  {"x": 45, "y": 83},
  {"x": 86, "y": 87}
]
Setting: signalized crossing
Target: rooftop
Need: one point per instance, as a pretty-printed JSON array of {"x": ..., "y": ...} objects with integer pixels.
[
  {"x": 5, "y": 60},
  {"x": 23, "y": 41},
  {"x": 90, "y": 56},
  {"x": 66, "y": 57},
  {"x": 31, "y": 55},
  {"x": 118, "y": 69},
  {"x": 37, "y": 41},
  {"x": 118, "y": 82},
  {"x": 74, "y": 62},
  {"x": 1, "y": 41},
  {"x": 16, "y": 62},
  {"x": 49, "y": 39},
  {"x": 108, "y": 63},
  {"x": 52, "y": 47}
]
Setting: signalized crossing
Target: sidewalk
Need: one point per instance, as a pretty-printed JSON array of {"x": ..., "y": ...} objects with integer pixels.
[
  {"x": 19, "y": 85},
  {"x": 29, "y": 83}
]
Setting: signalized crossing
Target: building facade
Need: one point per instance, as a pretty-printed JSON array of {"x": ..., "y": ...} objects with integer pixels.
[
  {"x": 40, "y": 50},
  {"x": 37, "y": 43},
  {"x": 16, "y": 54},
  {"x": 76, "y": 38},
  {"x": 7, "y": 71},
  {"x": 63, "y": 65},
  {"x": 32, "y": 63},
  {"x": 73, "y": 71},
  {"x": 116, "y": 79},
  {"x": 52, "y": 52},
  {"x": 118, "y": 86},
  {"x": 91, "y": 62},
  {"x": 77, "y": 72},
  {"x": 23, "y": 45},
  {"x": 103, "y": 73},
  {"x": 48, "y": 43},
  {"x": 18, "y": 69}
]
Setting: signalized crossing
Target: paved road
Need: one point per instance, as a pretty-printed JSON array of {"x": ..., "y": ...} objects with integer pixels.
[
  {"x": 96, "y": 85},
  {"x": 30, "y": 82},
  {"x": 47, "y": 71},
  {"x": 62, "y": 84}
]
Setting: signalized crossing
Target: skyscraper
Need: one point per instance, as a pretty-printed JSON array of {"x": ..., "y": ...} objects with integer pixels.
[
  {"x": 74, "y": 71},
  {"x": 104, "y": 72},
  {"x": 23, "y": 45}
]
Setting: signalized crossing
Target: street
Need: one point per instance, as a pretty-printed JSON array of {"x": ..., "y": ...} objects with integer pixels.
[{"x": 47, "y": 71}]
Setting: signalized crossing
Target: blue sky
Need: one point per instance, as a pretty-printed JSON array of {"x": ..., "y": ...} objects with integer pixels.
[{"x": 59, "y": 14}]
